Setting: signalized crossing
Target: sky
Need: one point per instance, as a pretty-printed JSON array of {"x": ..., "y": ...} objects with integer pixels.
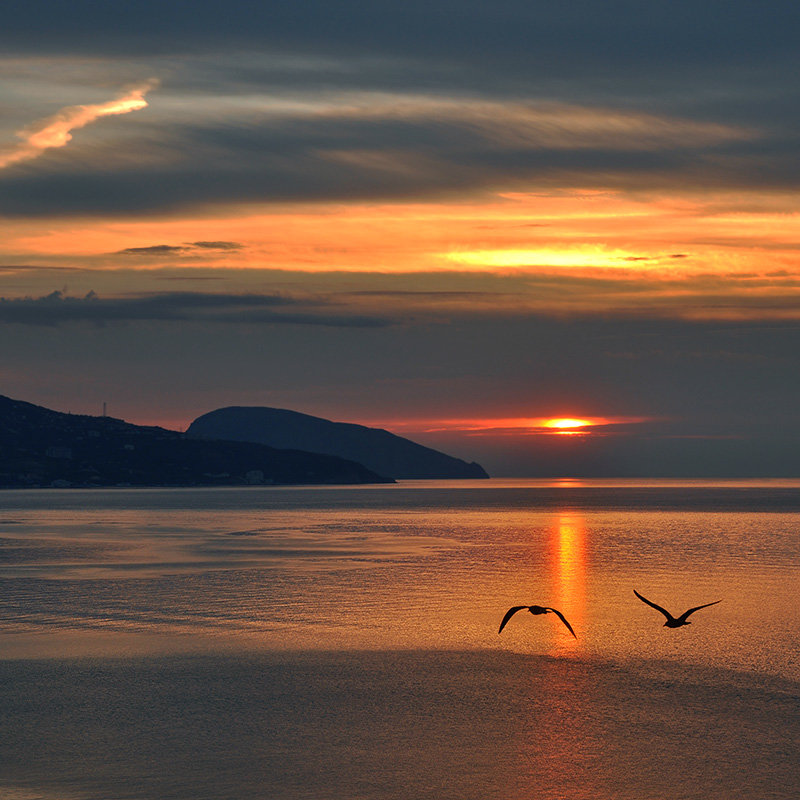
[{"x": 455, "y": 220}]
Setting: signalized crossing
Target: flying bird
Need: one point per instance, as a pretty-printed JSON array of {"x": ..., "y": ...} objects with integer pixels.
[
  {"x": 675, "y": 622},
  {"x": 535, "y": 610}
]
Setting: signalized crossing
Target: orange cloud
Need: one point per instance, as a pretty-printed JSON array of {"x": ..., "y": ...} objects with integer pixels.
[
  {"x": 558, "y": 231},
  {"x": 690, "y": 256},
  {"x": 56, "y": 130}
]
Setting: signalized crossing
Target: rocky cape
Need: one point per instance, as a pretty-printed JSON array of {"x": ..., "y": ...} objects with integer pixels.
[
  {"x": 378, "y": 449},
  {"x": 40, "y": 447}
]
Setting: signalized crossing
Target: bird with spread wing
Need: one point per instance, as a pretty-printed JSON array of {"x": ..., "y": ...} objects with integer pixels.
[
  {"x": 535, "y": 610},
  {"x": 674, "y": 622}
]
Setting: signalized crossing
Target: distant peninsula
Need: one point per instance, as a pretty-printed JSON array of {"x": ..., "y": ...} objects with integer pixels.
[
  {"x": 379, "y": 450},
  {"x": 44, "y": 448}
]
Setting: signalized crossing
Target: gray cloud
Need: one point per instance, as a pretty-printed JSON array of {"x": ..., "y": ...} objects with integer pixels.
[
  {"x": 152, "y": 250},
  {"x": 437, "y": 150},
  {"x": 222, "y": 129},
  {"x": 216, "y": 245},
  {"x": 385, "y": 298},
  {"x": 731, "y": 60},
  {"x": 617, "y": 33},
  {"x": 170, "y": 249},
  {"x": 57, "y": 308}
]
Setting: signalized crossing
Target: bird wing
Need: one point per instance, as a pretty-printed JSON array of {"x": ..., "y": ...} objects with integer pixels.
[
  {"x": 696, "y": 608},
  {"x": 657, "y": 608},
  {"x": 563, "y": 619},
  {"x": 510, "y": 613}
]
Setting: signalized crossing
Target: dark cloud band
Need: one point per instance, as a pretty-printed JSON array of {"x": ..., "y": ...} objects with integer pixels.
[{"x": 56, "y": 309}]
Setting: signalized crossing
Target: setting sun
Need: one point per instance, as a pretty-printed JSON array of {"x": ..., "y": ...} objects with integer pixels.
[{"x": 566, "y": 423}]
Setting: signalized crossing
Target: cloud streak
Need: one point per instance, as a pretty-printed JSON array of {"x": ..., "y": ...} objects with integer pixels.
[
  {"x": 173, "y": 249},
  {"x": 56, "y": 130}
]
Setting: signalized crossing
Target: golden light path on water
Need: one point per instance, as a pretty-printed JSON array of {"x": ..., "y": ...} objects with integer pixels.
[{"x": 568, "y": 575}]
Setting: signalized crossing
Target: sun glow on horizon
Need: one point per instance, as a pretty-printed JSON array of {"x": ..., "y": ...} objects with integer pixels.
[{"x": 509, "y": 426}]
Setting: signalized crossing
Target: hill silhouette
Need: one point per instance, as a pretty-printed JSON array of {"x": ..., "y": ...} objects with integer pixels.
[
  {"x": 378, "y": 449},
  {"x": 40, "y": 447}
]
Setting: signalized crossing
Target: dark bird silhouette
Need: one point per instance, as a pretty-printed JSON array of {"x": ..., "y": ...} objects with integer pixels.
[
  {"x": 675, "y": 622},
  {"x": 535, "y": 610}
]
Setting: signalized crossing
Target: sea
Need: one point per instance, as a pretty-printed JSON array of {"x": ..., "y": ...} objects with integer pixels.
[{"x": 341, "y": 643}]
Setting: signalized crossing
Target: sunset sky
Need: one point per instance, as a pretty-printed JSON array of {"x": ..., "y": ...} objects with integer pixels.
[{"x": 458, "y": 220}]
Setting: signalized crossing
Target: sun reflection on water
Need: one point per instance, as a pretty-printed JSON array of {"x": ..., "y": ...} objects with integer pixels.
[{"x": 568, "y": 575}]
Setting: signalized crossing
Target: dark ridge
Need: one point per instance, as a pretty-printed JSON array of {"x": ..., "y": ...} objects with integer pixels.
[
  {"x": 378, "y": 449},
  {"x": 40, "y": 447}
]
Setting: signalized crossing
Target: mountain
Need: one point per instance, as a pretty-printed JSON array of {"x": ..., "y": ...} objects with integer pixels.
[
  {"x": 379, "y": 450},
  {"x": 40, "y": 447}
]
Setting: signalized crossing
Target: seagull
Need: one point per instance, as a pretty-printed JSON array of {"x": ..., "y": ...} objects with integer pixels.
[
  {"x": 674, "y": 622},
  {"x": 535, "y": 610}
]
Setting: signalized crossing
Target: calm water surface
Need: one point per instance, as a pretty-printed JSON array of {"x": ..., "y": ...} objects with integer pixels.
[{"x": 342, "y": 642}]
